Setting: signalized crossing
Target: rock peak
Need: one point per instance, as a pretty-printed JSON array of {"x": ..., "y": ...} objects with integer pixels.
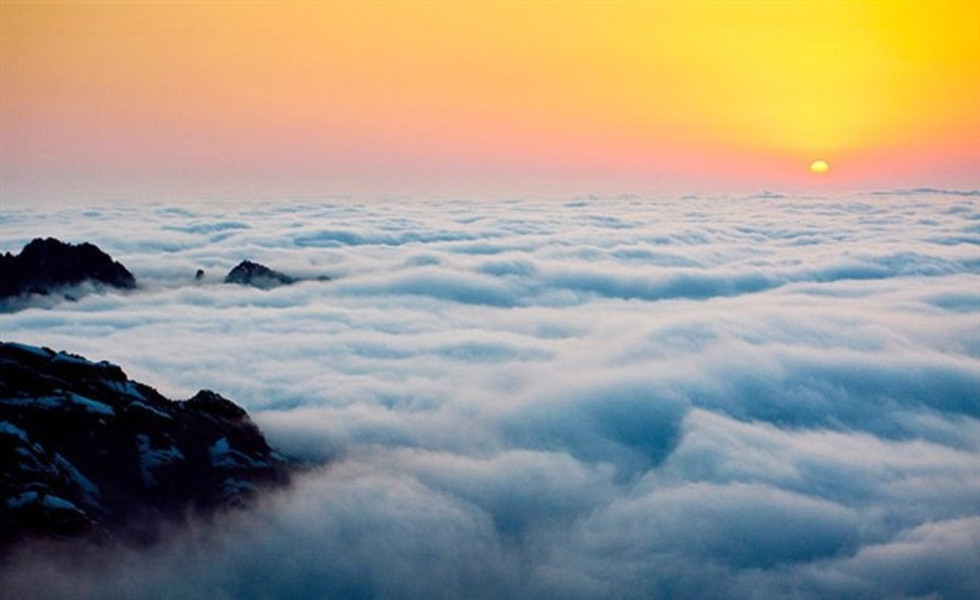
[
  {"x": 46, "y": 264},
  {"x": 86, "y": 453},
  {"x": 257, "y": 275}
]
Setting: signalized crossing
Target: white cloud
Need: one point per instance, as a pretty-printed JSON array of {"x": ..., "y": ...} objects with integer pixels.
[{"x": 609, "y": 397}]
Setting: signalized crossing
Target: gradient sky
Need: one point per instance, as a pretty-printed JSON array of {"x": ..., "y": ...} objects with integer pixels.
[{"x": 103, "y": 99}]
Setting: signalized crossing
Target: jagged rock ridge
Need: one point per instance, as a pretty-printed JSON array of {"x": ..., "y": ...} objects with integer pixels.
[
  {"x": 45, "y": 265},
  {"x": 257, "y": 275},
  {"x": 261, "y": 276},
  {"x": 86, "y": 452}
]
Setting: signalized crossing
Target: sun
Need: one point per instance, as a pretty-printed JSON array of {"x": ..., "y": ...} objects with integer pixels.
[{"x": 819, "y": 167}]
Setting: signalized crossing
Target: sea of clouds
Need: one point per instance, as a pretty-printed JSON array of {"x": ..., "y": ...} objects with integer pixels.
[{"x": 594, "y": 397}]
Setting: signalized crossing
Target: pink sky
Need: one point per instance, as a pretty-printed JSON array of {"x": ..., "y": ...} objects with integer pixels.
[{"x": 243, "y": 99}]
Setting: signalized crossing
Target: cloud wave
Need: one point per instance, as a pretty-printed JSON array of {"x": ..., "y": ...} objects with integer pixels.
[{"x": 628, "y": 397}]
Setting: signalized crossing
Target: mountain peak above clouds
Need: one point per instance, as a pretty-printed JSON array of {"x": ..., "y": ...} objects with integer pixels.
[
  {"x": 261, "y": 276},
  {"x": 51, "y": 268},
  {"x": 46, "y": 265},
  {"x": 257, "y": 275},
  {"x": 87, "y": 453}
]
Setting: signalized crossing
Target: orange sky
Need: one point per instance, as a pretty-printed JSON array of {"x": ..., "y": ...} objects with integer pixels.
[{"x": 242, "y": 98}]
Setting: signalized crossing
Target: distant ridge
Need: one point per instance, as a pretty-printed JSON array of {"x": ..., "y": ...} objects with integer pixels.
[
  {"x": 44, "y": 266},
  {"x": 257, "y": 275},
  {"x": 925, "y": 191},
  {"x": 261, "y": 276}
]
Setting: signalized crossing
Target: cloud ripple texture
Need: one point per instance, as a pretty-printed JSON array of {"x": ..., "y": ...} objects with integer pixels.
[{"x": 597, "y": 397}]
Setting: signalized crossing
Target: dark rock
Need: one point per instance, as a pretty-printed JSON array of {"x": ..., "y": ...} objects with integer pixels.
[
  {"x": 86, "y": 453},
  {"x": 199, "y": 275},
  {"x": 45, "y": 265},
  {"x": 256, "y": 275},
  {"x": 209, "y": 403}
]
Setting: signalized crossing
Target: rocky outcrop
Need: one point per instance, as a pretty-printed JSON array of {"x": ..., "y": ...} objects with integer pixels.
[
  {"x": 256, "y": 275},
  {"x": 45, "y": 266},
  {"x": 87, "y": 453},
  {"x": 261, "y": 276}
]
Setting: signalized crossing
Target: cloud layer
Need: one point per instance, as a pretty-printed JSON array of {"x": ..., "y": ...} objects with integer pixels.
[{"x": 600, "y": 397}]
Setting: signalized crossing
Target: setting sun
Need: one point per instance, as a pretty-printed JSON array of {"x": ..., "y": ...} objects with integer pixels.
[{"x": 819, "y": 167}]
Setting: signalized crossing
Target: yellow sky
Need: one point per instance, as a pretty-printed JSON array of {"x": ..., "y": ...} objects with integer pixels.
[{"x": 405, "y": 93}]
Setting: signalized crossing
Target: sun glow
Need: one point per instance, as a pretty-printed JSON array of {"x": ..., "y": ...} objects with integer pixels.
[
  {"x": 819, "y": 167},
  {"x": 387, "y": 94}
]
